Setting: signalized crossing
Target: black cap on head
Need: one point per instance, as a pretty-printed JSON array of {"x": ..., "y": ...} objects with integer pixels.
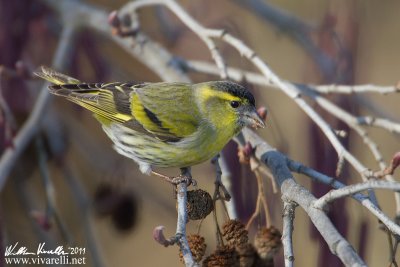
[{"x": 234, "y": 89}]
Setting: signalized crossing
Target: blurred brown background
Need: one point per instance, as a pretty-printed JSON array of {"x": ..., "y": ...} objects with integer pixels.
[{"x": 88, "y": 174}]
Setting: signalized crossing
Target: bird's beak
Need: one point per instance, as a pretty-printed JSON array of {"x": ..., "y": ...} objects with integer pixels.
[{"x": 252, "y": 119}]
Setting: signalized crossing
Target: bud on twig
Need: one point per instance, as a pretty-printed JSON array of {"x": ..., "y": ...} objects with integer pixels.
[
  {"x": 114, "y": 20},
  {"x": 262, "y": 111},
  {"x": 394, "y": 163}
]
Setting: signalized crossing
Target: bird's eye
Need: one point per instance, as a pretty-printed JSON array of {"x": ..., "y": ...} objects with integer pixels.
[{"x": 235, "y": 104}]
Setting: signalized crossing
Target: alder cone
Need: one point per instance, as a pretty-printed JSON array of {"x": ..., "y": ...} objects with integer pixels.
[
  {"x": 197, "y": 246},
  {"x": 199, "y": 204},
  {"x": 235, "y": 233},
  {"x": 224, "y": 256},
  {"x": 267, "y": 242}
]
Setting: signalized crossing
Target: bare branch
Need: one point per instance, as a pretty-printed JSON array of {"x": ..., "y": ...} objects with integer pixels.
[
  {"x": 257, "y": 79},
  {"x": 296, "y": 28},
  {"x": 355, "y": 188},
  {"x": 52, "y": 210},
  {"x": 181, "y": 199},
  {"x": 287, "y": 231},
  {"x": 226, "y": 180},
  {"x": 351, "y": 89},
  {"x": 203, "y": 33},
  {"x": 148, "y": 52},
  {"x": 386, "y": 124},
  {"x": 32, "y": 125},
  {"x": 291, "y": 191},
  {"x": 365, "y": 201}
]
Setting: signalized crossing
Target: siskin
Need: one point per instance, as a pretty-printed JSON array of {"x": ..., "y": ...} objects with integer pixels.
[{"x": 163, "y": 124}]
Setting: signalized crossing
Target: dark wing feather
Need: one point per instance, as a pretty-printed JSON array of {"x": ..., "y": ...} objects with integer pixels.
[{"x": 161, "y": 110}]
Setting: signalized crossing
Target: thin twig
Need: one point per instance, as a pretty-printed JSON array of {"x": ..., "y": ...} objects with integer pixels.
[
  {"x": 287, "y": 231},
  {"x": 295, "y": 28},
  {"x": 29, "y": 203},
  {"x": 238, "y": 75},
  {"x": 52, "y": 210},
  {"x": 351, "y": 89},
  {"x": 364, "y": 200},
  {"x": 351, "y": 121},
  {"x": 226, "y": 196},
  {"x": 255, "y": 166},
  {"x": 218, "y": 186},
  {"x": 152, "y": 55},
  {"x": 7, "y": 117},
  {"x": 181, "y": 199},
  {"x": 386, "y": 124},
  {"x": 202, "y": 33},
  {"x": 32, "y": 125},
  {"x": 263, "y": 169},
  {"x": 355, "y": 188},
  {"x": 226, "y": 180},
  {"x": 180, "y": 236},
  {"x": 255, "y": 213}
]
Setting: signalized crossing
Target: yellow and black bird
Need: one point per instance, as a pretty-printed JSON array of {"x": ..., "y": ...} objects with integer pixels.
[{"x": 163, "y": 124}]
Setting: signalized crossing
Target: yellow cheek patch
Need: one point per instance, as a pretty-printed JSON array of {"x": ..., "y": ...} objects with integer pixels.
[{"x": 208, "y": 93}]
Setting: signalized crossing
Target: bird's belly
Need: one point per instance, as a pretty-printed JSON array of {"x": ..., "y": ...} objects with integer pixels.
[{"x": 146, "y": 149}]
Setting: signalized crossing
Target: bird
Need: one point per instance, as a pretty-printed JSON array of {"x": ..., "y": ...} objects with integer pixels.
[{"x": 162, "y": 124}]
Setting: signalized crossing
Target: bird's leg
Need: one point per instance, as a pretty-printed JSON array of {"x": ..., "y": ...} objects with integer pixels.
[
  {"x": 185, "y": 176},
  {"x": 163, "y": 176}
]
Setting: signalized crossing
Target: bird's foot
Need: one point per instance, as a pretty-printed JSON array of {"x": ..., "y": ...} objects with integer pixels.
[{"x": 184, "y": 178}]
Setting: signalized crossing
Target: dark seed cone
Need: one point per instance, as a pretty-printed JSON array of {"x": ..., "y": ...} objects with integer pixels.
[
  {"x": 197, "y": 247},
  {"x": 224, "y": 256},
  {"x": 267, "y": 242},
  {"x": 247, "y": 255},
  {"x": 199, "y": 204},
  {"x": 235, "y": 233}
]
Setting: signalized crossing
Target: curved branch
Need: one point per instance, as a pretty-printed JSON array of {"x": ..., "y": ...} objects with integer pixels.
[
  {"x": 149, "y": 53},
  {"x": 355, "y": 188},
  {"x": 32, "y": 125},
  {"x": 258, "y": 79},
  {"x": 362, "y": 199},
  {"x": 204, "y": 34},
  {"x": 291, "y": 191}
]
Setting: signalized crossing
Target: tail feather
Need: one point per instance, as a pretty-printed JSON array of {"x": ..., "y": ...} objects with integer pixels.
[{"x": 55, "y": 77}]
